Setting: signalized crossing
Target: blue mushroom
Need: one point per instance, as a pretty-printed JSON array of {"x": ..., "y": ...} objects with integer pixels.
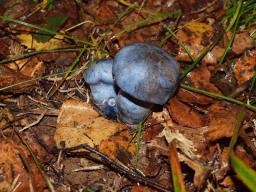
[
  {"x": 99, "y": 77},
  {"x": 129, "y": 110},
  {"x": 143, "y": 75},
  {"x": 146, "y": 72}
]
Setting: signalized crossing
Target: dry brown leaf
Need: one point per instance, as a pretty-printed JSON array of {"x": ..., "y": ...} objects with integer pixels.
[
  {"x": 201, "y": 171},
  {"x": 5, "y": 118},
  {"x": 118, "y": 147},
  {"x": 142, "y": 189},
  {"x": 196, "y": 36},
  {"x": 191, "y": 97},
  {"x": 228, "y": 182},
  {"x": 223, "y": 165},
  {"x": 222, "y": 120},
  {"x": 152, "y": 129},
  {"x": 9, "y": 77},
  {"x": 79, "y": 123},
  {"x": 242, "y": 42},
  {"x": 28, "y": 41},
  {"x": 192, "y": 144},
  {"x": 200, "y": 79},
  {"x": 246, "y": 157},
  {"x": 185, "y": 115},
  {"x": 31, "y": 67},
  {"x": 105, "y": 12},
  {"x": 11, "y": 166},
  {"x": 245, "y": 67},
  {"x": 189, "y": 140},
  {"x": 140, "y": 34}
]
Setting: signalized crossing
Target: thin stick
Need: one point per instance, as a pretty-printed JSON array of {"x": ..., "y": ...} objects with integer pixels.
[
  {"x": 119, "y": 167},
  {"x": 35, "y": 122}
]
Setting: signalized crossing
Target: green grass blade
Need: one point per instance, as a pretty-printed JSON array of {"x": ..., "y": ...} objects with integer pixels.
[
  {"x": 52, "y": 32},
  {"x": 149, "y": 20},
  {"x": 25, "y": 55},
  {"x": 139, "y": 133},
  {"x": 217, "y": 96},
  {"x": 244, "y": 172},
  {"x": 34, "y": 79},
  {"x": 201, "y": 56},
  {"x": 235, "y": 17}
]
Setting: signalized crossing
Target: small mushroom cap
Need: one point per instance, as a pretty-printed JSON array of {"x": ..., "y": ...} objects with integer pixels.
[
  {"x": 100, "y": 70},
  {"x": 130, "y": 111},
  {"x": 104, "y": 97},
  {"x": 100, "y": 79},
  {"x": 146, "y": 72}
]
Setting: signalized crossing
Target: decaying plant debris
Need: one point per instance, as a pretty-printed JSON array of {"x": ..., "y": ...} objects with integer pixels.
[{"x": 53, "y": 139}]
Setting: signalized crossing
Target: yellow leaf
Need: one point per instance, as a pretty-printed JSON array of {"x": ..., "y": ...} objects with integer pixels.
[
  {"x": 198, "y": 28},
  {"x": 44, "y": 4},
  {"x": 28, "y": 41}
]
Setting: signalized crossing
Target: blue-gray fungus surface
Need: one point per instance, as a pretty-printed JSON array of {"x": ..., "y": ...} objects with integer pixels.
[
  {"x": 140, "y": 76},
  {"x": 99, "y": 77},
  {"x": 130, "y": 110},
  {"x": 146, "y": 72}
]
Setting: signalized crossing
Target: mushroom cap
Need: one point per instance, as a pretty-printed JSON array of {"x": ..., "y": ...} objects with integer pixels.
[
  {"x": 146, "y": 72},
  {"x": 100, "y": 70},
  {"x": 100, "y": 79},
  {"x": 129, "y": 110}
]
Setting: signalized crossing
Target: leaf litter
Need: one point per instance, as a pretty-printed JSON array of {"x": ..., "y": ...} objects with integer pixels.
[{"x": 58, "y": 120}]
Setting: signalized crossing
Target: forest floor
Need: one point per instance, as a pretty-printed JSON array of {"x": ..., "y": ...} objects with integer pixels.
[{"x": 53, "y": 139}]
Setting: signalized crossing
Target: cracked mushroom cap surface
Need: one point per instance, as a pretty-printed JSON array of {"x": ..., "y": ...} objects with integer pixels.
[{"x": 146, "y": 72}]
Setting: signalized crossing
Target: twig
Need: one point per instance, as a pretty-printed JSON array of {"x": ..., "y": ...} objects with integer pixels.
[
  {"x": 35, "y": 122},
  {"x": 15, "y": 184},
  {"x": 119, "y": 167},
  {"x": 91, "y": 168},
  {"x": 37, "y": 101}
]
